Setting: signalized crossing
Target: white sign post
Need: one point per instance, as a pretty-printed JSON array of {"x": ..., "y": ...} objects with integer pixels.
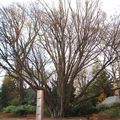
[{"x": 40, "y": 105}]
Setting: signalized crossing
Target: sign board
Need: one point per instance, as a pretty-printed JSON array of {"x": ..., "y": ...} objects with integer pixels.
[{"x": 40, "y": 105}]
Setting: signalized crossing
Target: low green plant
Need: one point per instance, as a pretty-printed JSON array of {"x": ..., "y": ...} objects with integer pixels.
[
  {"x": 85, "y": 108},
  {"x": 14, "y": 102},
  {"x": 20, "y": 110},
  {"x": 114, "y": 105},
  {"x": 101, "y": 107},
  {"x": 9, "y": 109},
  {"x": 29, "y": 108},
  {"x": 24, "y": 109},
  {"x": 110, "y": 113}
]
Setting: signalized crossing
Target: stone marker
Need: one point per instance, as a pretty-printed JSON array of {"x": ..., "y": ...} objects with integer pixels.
[{"x": 40, "y": 105}]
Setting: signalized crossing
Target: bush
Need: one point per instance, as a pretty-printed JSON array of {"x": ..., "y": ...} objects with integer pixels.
[
  {"x": 20, "y": 110},
  {"x": 9, "y": 109},
  {"x": 9, "y": 91},
  {"x": 30, "y": 96},
  {"x": 46, "y": 111},
  {"x": 85, "y": 108},
  {"x": 114, "y": 105},
  {"x": 101, "y": 107},
  {"x": 14, "y": 102},
  {"x": 110, "y": 113},
  {"x": 25, "y": 109},
  {"x": 29, "y": 109}
]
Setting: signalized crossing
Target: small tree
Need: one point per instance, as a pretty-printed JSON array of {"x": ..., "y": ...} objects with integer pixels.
[
  {"x": 9, "y": 92},
  {"x": 102, "y": 85}
]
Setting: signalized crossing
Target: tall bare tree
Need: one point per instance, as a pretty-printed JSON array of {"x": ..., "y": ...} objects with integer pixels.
[
  {"x": 73, "y": 38},
  {"x": 48, "y": 48},
  {"x": 18, "y": 32}
]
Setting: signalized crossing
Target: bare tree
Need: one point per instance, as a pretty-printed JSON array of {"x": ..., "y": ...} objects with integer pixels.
[
  {"x": 48, "y": 48},
  {"x": 18, "y": 32},
  {"x": 73, "y": 39}
]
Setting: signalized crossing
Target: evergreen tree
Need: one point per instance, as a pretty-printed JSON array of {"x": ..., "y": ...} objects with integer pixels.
[{"x": 9, "y": 92}]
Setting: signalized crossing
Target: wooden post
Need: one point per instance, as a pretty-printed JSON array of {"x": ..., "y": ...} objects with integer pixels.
[{"x": 40, "y": 105}]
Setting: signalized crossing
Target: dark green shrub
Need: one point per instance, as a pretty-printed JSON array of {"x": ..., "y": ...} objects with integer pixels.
[
  {"x": 9, "y": 91},
  {"x": 20, "y": 110},
  {"x": 101, "y": 107},
  {"x": 9, "y": 109},
  {"x": 88, "y": 107},
  {"x": 14, "y": 102},
  {"x": 84, "y": 108},
  {"x": 110, "y": 113},
  {"x": 29, "y": 109},
  {"x": 30, "y": 96},
  {"x": 114, "y": 105},
  {"x": 24, "y": 109},
  {"x": 46, "y": 111}
]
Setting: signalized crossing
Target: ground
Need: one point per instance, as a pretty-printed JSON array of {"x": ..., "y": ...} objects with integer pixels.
[{"x": 6, "y": 116}]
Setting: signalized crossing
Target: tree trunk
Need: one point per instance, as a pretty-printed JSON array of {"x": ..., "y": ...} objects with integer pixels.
[{"x": 21, "y": 92}]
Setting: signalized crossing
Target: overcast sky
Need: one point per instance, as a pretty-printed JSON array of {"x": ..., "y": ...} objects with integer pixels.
[{"x": 110, "y": 6}]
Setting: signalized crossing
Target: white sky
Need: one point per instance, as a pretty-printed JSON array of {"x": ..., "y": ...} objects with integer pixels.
[{"x": 110, "y": 6}]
